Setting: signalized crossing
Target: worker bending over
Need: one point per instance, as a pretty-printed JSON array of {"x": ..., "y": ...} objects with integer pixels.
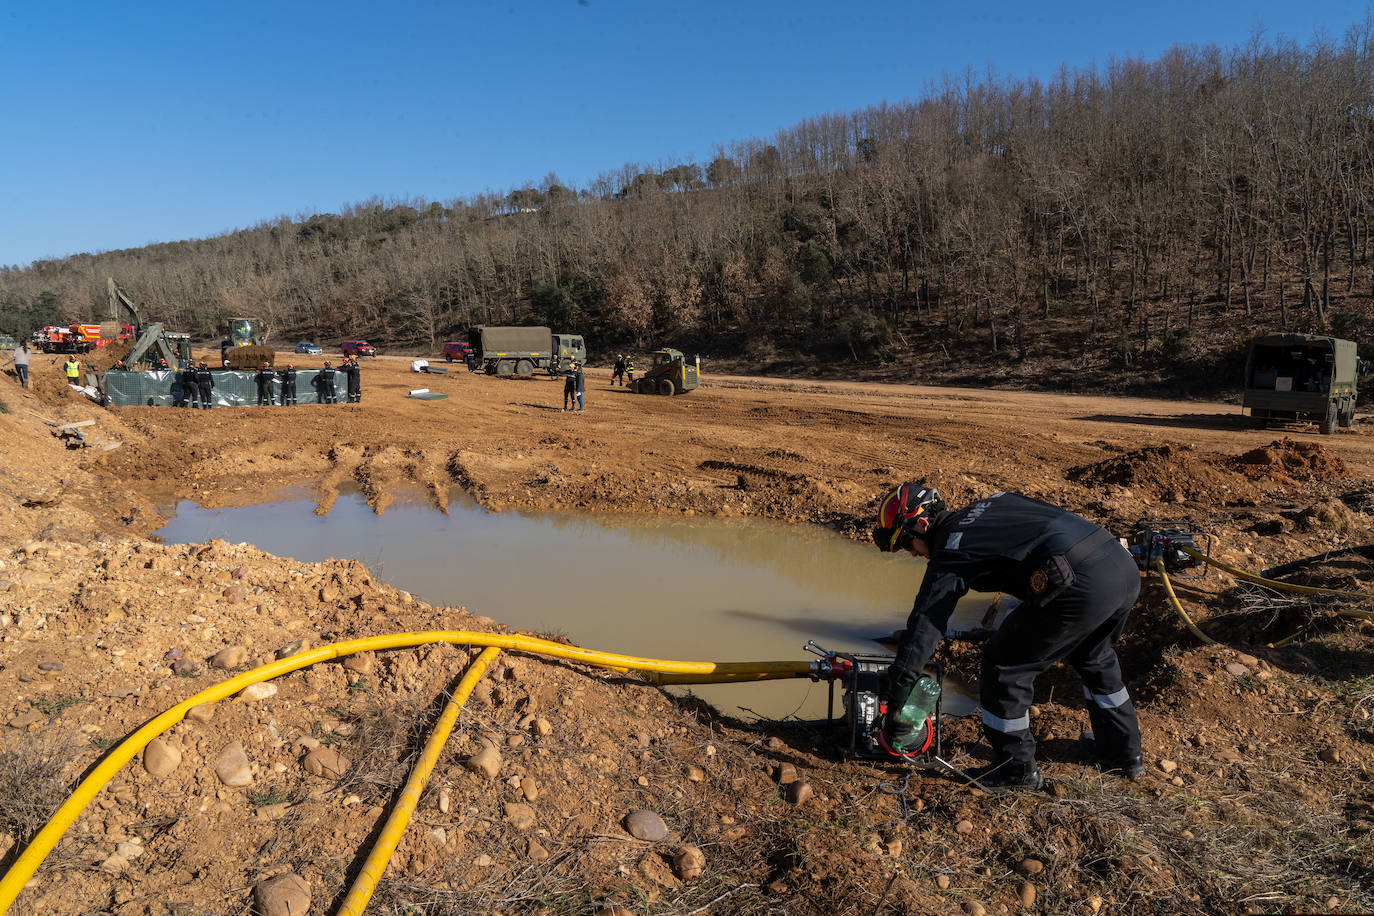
[{"x": 1076, "y": 585}]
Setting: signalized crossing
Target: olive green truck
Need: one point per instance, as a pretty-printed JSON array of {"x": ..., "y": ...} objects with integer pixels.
[{"x": 1301, "y": 377}]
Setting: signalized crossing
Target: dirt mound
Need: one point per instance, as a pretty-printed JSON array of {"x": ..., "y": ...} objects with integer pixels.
[
  {"x": 1171, "y": 473},
  {"x": 1288, "y": 460}
]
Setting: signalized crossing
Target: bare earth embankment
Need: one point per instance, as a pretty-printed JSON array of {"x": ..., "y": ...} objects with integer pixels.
[{"x": 1257, "y": 799}]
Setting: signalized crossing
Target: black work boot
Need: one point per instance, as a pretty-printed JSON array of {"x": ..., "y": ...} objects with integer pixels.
[
  {"x": 1127, "y": 767},
  {"x": 1006, "y": 776}
]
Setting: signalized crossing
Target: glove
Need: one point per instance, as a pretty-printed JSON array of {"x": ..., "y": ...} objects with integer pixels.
[{"x": 896, "y": 728}]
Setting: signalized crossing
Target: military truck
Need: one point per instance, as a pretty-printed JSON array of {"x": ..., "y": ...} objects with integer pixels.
[
  {"x": 1301, "y": 377},
  {"x": 669, "y": 373},
  {"x": 509, "y": 351}
]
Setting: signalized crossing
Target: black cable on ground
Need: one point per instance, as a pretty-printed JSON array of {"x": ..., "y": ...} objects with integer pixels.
[{"x": 1366, "y": 551}]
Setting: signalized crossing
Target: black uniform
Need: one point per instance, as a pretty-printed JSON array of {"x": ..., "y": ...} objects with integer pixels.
[
  {"x": 324, "y": 383},
  {"x": 288, "y": 386},
  {"x": 183, "y": 384},
  {"x": 265, "y": 377},
  {"x": 1076, "y": 586},
  {"x": 205, "y": 382},
  {"x": 353, "y": 378},
  {"x": 569, "y": 390}
]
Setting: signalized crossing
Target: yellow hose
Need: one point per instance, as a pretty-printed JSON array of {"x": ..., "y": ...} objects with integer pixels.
[
  {"x": 1178, "y": 606},
  {"x": 366, "y": 882},
  {"x": 42, "y": 844}
]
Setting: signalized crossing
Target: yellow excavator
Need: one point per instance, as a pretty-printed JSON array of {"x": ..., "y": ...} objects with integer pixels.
[{"x": 245, "y": 344}]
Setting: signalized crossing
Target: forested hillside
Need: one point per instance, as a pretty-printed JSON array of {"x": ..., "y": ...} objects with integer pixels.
[{"x": 1125, "y": 225}]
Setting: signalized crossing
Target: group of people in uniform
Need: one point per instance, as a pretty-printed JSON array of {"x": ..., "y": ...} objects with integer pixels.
[
  {"x": 194, "y": 385},
  {"x": 623, "y": 371},
  {"x": 323, "y": 382}
]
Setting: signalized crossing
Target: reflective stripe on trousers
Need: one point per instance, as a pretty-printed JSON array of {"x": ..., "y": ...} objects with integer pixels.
[
  {"x": 1020, "y": 724},
  {"x": 1108, "y": 701}
]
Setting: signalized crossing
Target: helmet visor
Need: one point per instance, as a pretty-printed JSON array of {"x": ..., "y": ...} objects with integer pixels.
[{"x": 892, "y": 539}]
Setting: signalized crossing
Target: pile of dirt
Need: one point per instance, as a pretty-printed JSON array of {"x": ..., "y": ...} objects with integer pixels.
[
  {"x": 1166, "y": 473},
  {"x": 1287, "y": 461}
]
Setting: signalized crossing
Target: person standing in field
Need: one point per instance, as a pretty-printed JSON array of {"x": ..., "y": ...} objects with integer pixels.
[
  {"x": 570, "y": 386},
  {"x": 353, "y": 380},
  {"x": 264, "y": 378},
  {"x": 21, "y": 358},
  {"x": 205, "y": 383},
  {"x": 288, "y": 385}
]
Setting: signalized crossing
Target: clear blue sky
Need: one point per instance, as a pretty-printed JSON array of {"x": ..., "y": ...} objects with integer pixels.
[{"x": 126, "y": 124}]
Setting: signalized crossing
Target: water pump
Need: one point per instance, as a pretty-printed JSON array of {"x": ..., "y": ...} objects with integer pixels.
[
  {"x": 863, "y": 681},
  {"x": 1152, "y": 541}
]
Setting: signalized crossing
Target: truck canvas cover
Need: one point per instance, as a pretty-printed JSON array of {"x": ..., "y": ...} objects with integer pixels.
[{"x": 497, "y": 341}]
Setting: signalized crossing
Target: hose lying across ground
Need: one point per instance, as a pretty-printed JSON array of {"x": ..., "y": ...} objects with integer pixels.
[
  {"x": 661, "y": 671},
  {"x": 1257, "y": 580}
]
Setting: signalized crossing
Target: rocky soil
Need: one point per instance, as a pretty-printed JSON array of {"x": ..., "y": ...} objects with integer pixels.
[{"x": 571, "y": 790}]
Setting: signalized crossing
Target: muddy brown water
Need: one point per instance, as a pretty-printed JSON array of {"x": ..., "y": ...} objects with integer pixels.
[{"x": 687, "y": 589}]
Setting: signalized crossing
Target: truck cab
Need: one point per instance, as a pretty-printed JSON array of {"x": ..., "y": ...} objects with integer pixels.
[
  {"x": 1301, "y": 377},
  {"x": 570, "y": 347}
]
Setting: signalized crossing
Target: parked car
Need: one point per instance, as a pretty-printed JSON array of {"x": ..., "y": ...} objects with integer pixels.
[
  {"x": 309, "y": 349},
  {"x": 358, "y": 348},
  {"x": 457, "y": 350}
]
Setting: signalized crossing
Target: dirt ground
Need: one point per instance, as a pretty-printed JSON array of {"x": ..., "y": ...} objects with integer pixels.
[{"x": 1257, "y": 797}]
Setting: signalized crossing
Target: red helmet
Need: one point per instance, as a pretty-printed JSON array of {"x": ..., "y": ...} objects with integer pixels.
[{"x": 905, "y": 513}]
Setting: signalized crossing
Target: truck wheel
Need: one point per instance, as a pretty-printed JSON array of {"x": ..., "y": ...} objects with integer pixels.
[
  {"x": 505, "y": 367},
  {"x": 665, "y": 387},
  {"x": 448, "y": 357},
  {"x": 524, "y": 368},
  {"x": 1328, "y": 425},
  {"x": 1346, "y": 419}
]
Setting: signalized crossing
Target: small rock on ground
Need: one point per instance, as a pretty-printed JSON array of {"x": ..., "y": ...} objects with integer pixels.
[
  {"x": 519, "y": 815},
  {"x": 327, "y": 763},
  {"x": 231, "y": 657},
  {"x": 161, "y": 757},
  {"x": 646, "y": 825},
  {"x": 258, "y": 691},
  {"x": 284, "y": 895},
  {"x": 689, "y": 862},
  {"x": 486, "y": 761},
  {"x": 232, "y": 767}
]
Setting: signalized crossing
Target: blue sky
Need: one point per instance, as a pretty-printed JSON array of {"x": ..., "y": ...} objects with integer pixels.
[{"x": 127, "y": 124}]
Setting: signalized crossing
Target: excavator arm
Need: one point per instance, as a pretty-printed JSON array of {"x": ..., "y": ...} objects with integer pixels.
[{"x": 147, "y": 336}]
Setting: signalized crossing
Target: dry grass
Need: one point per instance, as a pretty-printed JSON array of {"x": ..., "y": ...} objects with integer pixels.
[
  {"x": 31, "y": 787},
  {"x": 1250, "y": 850},
  {"x": 386, "y": 740}
]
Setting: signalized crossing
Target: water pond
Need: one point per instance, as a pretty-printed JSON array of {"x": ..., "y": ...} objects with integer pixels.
[{"x": 690, "y": 589}]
